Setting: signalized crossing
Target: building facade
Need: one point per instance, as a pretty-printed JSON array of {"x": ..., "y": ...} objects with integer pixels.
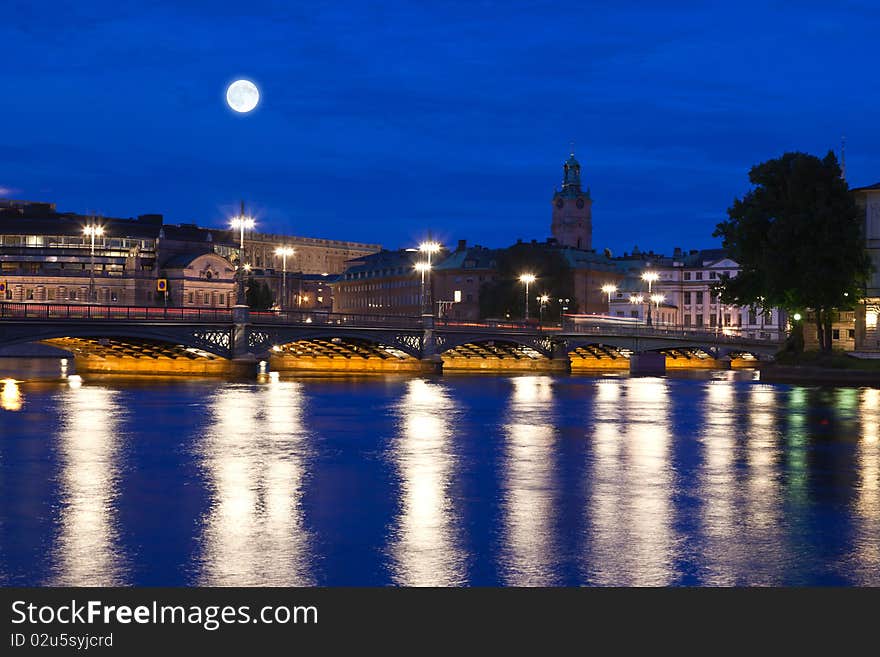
[
  {"x": 383, "y": 283},
  {"x": 311, "y": 255},
  {"x": 572, "y": 218},
  {"x": 46, "y": 257},
  {"x": 458, "y": 279},
  {"x": 867, "y": 332},
  {"x": 686, "y": 281}
]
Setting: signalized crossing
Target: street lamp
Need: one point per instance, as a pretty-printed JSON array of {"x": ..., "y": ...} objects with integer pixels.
[
  {"x": 543, "y": 299},
  {"x": 423, "y": 268},
  {"x": 636, "y": 299},
  {"x": 527, "y": 279},
  {"x": 92, "y": 231},
  {"x": 657, "y": 299},
  {"x": 650, "y": 277},
  {"x": 609, "y": 289},
  {"x": 430, "y": 248},
  {"x": 241, "y": 222},
  {"x": 283, "y": 251}
]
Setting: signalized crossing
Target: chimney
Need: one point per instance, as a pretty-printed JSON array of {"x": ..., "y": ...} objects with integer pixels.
[
  {"x": 462, "y": 245},
  {"x": 677, "y": 252}
]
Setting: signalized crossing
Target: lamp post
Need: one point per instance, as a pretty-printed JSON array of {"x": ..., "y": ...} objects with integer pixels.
[
  {"x": 657, "y": 299},
  {"x": 527, "y": 279},
  {"x": 430, "y": 247},
  {"x": 422, "y": 268},
  {"x": 609, "y": 289},
  {"x": 636, "y": 299},
  {"x": 543, "y": 299},
  {"x": 650, "y": 277},
  {"x": 92, "y": 231},
  {"x": 283, "y": 251},
  {"x": 241, "y": 222}
]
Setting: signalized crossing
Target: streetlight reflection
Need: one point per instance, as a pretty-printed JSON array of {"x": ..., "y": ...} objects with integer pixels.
[
  {"x": 529, "y": 501},
  {"x": 426, "y": 545},
  {"x": 866, "y": 556},
  {"x": 255, "y": 456},
  {"x": 10, "y": 399},
  {"x": 631, "y": 538},
  {"x": 87, "y": 551}
]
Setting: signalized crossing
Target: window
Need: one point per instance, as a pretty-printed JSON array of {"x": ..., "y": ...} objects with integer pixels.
[
  {"x": 634, "y": 313},
  {"x": 727, "y": 319},
  {"x": 73, "y": 295},
  {"x": 769, "y": 316},
  {"x": 739, "y": 320},
  {"x": 700, "y": 297},
  {"x": 711, "y": 274},
  {"x": 712, "y": 319},
  {"x": 620, "y": 313},
  {"x": 835, "y": 334},
  {"x": 113, "y": 296},
  {"x": 699, "y": 276},
  {"x": 699, "y": 320},
  {"x": 190, "y": 298},
  {"x": 851, "y": 334},
  {"x": 753, "y": 317},
  {"x": 687, "y": 298},
  {"x": 687, "y": 320},
  {"x": 29, "y": 294},
  {"x": 687, "y": 276}
]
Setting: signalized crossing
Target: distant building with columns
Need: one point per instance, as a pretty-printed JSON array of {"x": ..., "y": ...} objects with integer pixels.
[{"x": 867, "y": 334}]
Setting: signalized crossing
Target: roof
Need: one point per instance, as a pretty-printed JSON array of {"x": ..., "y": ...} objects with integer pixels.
[
  {"x": 183, "y": 260},
  {"x": 383, "y": 263},
  {"x": 475, "y": 257},
  {"x": 868, "y": 188}
]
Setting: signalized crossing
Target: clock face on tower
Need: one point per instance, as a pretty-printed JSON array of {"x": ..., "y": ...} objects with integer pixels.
[
  {"x": 559, "y": 203},
  {"x": 580, "y": 204}
]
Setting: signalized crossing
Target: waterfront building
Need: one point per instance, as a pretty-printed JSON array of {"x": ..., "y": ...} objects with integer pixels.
[
  {"x": 46, "y": 256},
  {"x": 686, "y": 283},
  {"x": 867, "y": 333},
  {"x": 383, "y": 283},
  {"x": 572, "y": 218},
  {"x": 458, "y": 280}
]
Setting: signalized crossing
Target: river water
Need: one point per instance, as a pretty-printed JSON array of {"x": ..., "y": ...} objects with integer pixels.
[{"x": 704, "y": 479}]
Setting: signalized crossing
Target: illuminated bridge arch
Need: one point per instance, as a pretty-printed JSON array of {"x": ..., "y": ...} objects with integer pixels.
[
  {"x": 336, "y": 342},
  {"x": 499, "y": 346}
]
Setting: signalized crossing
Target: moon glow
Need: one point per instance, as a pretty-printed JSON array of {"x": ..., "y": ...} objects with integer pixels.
[{"x": 242, "y": 96}]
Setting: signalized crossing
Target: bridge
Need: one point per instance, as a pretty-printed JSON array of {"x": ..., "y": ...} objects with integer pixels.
[{"x": 239, "y": 341}]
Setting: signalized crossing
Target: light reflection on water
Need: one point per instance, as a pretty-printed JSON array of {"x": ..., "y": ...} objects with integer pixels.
[
  {"x": 529, "y": 492},
  {"x": 87, "y": 550},
  {"x": 529, "y": 480},
  {"x": 254, "y": 456},
  {"x": 629, "y": 511},
  {"x": 426, "y": 544}
]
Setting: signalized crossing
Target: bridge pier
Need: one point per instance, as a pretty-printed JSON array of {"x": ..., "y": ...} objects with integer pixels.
[
  {"x": 647, "y": 363},
  {"x": 243, "y": 364}
]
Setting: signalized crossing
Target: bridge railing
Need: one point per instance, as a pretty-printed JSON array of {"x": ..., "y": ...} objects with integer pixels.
[
  {"x": 661, "y": 331},
  {"x": 52, "y": 311},
  {"x": 325, "y": 318}
]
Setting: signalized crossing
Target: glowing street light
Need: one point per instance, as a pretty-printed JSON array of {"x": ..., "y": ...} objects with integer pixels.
[
  {"x": 241, "y": 222},
  {"x": 92, "y": 230},
  {"x": 609, "y": 289},
  {"x": 429, "y": 248},
  {"x": 636, "y": 299},
  {"x": 650, "y": 277},
  {"x": 543, "y": 299},
  {"x": 284, "y": 251},
  {"x": 797, "y": 317},
  {"x": 527, "y": 279},
  {"x": 423, "y": 268},
  {"x": 657, "y": 299}
]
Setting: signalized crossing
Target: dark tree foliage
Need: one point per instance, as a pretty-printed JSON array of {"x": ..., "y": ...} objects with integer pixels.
[
  {"x": 258, "y": 295},
  {"x": 506, "y": 296},
  {"x": 798, "y": 239}
]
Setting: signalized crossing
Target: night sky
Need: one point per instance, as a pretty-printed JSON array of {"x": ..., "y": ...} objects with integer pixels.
[{"x": 380, "y": 122}]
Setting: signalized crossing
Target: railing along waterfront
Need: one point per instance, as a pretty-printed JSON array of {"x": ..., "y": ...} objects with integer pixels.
[
  {"x": 642, "y": 330},
  {"x": 50, "y": 311}
]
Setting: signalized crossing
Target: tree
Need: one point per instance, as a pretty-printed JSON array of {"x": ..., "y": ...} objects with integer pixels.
[
  {"x": 506, "y": 295},
  {"x": 258, "y": 295},
  {"x": 798, "y": 240}
]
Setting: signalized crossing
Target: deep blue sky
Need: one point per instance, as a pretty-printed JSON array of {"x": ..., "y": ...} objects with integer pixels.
[{"x": 380, "y": 121}]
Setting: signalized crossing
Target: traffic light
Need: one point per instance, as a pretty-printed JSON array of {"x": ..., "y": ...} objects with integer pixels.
[{"x": 162, "y": 285}]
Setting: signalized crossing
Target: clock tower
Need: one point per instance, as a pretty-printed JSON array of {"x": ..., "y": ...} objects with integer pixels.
[{"x": 572, "y": 223}]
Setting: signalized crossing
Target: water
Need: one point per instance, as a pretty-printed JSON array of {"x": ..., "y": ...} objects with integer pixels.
[{"x": 711, "y": 479}]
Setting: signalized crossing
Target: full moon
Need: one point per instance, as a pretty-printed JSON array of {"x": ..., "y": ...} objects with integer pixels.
[{"x": 242, "y": 96}]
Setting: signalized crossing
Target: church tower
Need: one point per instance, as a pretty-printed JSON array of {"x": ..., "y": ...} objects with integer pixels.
[{"x": 572, "y": 223}]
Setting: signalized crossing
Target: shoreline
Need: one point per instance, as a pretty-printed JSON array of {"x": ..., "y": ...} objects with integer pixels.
[{"x": 772, "y": 373}]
